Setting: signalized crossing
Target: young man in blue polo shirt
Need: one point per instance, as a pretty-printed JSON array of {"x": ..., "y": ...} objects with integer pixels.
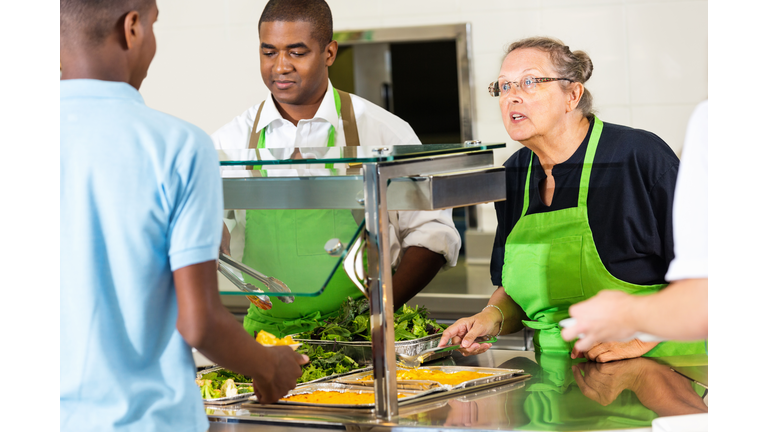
[{"x": 140, "y": 222}]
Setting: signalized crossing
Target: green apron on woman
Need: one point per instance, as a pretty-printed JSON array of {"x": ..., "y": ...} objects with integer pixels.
[
  {"x": 289, "y": 245},
  {"x": 551, "y": 262}
]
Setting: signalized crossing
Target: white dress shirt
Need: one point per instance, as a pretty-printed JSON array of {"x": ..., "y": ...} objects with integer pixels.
[
  {"x": 689, "y": 211},
  {"x": 377, "y": 127}
]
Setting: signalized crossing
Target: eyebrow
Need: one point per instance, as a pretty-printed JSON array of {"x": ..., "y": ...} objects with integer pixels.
[
  {"x": 294, "y": 45},
  {"x": 523, "y": 72}
]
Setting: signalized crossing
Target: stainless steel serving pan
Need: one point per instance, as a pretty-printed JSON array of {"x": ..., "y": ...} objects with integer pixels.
[
  {"x": 330, "y": 386},
  {"x": 496, "y": 375},
  {"x": 361, "y": 352}
]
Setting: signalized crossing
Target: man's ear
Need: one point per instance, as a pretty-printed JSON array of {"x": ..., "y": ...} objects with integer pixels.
[
  {"x": 132, "y": 30},
  {"x": 330, "y": 52}
]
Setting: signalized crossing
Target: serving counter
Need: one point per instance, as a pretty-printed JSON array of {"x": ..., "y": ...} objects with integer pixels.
[
  {"x": 556, "y": 393},
  {"x": 560, "y": 394},
  {"x": 361, "y": 184}
]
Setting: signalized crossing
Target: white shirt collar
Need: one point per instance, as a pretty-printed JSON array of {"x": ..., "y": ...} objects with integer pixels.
[{"x": 325, "y": 112}]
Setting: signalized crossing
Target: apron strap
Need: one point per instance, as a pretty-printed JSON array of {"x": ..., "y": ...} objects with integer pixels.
[
  {"x": 527, "y": 185},
  {"x": 348, "y": 120},
  {"x": 344, "y": 110},
  {"x": 253, "y": 142},
  {"x": 589, "y": 158}
]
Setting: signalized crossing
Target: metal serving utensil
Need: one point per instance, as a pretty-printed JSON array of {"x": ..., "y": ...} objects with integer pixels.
[
  {"x": 414, "y": 361},
  {"x": 261, "y": 301},
  {"x": 272, "y": 284}
]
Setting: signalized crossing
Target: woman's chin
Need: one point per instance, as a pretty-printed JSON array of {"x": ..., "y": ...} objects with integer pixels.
[{"x": 518, "y": 135}]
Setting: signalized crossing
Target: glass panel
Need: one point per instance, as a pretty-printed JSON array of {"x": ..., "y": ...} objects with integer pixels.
[
  {"x": 305, "y": 198},
  {"x": 287, "y": 254},
  {"x": 336, "y": 155}
]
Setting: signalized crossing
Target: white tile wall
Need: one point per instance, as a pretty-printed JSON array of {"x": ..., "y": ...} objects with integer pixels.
[{"x": 650, "y": 56}]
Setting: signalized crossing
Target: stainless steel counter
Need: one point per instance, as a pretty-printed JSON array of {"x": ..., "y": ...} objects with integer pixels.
[{"x": 562, "y": 394}]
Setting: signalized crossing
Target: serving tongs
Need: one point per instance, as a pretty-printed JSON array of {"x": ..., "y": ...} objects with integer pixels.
[
  {"x": 414, "y": 361},
  {"x": 272, "y": 284}
]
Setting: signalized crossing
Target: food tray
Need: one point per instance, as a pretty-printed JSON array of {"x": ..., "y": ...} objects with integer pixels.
[
  {"x": 225, "y": 400},
  {"x": 496, "y": 376},
  {"x": 331, "y": 386},
  {"x": 361, "y": 352}
]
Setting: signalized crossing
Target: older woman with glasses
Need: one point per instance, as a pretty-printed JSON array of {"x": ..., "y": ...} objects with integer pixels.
[{"x": 589, "y": 208}]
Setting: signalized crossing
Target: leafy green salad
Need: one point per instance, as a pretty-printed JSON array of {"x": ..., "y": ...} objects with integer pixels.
[
  {"x": 323, "y": 362},
  {"x": 223, "y": 383},
  {"x": 353, "y": 323}
]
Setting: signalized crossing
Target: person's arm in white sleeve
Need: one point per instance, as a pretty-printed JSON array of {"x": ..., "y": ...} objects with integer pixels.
[
  {"x": 679, "y": 311},
  {"x": 430, "y": 242}
]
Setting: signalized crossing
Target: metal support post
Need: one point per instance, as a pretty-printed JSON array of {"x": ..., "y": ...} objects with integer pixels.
[{"x": 380, "y": 283}]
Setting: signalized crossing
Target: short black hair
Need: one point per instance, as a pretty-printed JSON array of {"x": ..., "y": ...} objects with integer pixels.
[
  {"x": 315, "y": 12},
  {"x": 93, "y": 20}
]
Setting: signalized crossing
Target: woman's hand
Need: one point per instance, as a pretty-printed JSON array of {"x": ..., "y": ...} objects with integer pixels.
[
  {"x": 604, "y": 382},
  {"x": 466, "y": 330},
  {"x": 610, "y": 351}
]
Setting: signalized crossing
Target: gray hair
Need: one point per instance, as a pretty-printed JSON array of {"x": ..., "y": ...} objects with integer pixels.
[{"x": 576, "y": 66}]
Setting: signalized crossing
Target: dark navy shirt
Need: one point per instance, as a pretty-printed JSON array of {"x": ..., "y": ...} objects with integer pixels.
[{"x": 629, "y": 203}]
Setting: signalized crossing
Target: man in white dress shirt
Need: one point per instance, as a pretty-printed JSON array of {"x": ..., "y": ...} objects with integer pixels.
[{"x": 304, "y": 110}]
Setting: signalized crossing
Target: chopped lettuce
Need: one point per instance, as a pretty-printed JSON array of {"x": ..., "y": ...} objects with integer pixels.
[
  {"x": 323, "y": 363},
  {"x": 353, "y": 323}
]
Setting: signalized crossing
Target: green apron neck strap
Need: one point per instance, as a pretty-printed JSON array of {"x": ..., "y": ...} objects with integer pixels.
[
  {"x": 258, "y": 139},
  {"x": 589, "y": 158},
  {"x": 527, "y": 185},
  {"x": 337, "y": 101},
  {"x": 586, "y": 169}
]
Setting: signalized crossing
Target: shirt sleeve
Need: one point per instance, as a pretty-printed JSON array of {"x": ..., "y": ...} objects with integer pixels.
[
  {"x": 430, "y": 229},
  {"x": 236, "y": 133},
  {"x": 690, "y": 206},
  {"x": 433, "y": 230},
  {"x": 661, "y": 197},
  {"x": 196, "y": 223}
]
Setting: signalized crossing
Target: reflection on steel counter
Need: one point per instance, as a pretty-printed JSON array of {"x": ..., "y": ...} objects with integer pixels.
[{"x": 565, "y": 394}]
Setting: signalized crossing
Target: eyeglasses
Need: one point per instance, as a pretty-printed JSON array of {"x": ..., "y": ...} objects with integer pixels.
[{"x": 527, "y": 84}]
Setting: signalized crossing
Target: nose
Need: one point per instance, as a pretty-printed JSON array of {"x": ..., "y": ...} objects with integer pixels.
[
  {"x": 283, "y": 64},
  {"x": 513, "y": 96}
]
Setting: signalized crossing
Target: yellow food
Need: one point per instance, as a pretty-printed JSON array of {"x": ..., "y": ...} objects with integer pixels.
[
  {"x": 265, "y": 338},
  {"x": 452, "y": 378},
  {"x": 334, "y": 397}
]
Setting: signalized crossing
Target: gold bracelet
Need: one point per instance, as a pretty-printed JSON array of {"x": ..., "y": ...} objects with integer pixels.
[{"x": 502, "y": 317}]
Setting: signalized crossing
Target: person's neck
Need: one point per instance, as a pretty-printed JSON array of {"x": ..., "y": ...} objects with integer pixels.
[
  {"x": 294, "y": 113},
  {"x": 97, "y": 63},
  {"x": 558, "y": 145}
]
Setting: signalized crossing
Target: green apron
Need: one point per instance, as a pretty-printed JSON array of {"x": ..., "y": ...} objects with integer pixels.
[
  {"x": 552, "y": 400},
  {"x": 551, "y": 262},
  {"x": 289, "y": 245}
]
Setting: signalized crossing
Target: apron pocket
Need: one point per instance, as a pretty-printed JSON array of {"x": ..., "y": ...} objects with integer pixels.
[
  {"x": 564, "y": 268},
  {"x": 313, "y": 229}
]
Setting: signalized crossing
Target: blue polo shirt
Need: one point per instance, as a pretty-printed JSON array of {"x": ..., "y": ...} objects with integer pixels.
[{"x": 141, "y": 196}]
